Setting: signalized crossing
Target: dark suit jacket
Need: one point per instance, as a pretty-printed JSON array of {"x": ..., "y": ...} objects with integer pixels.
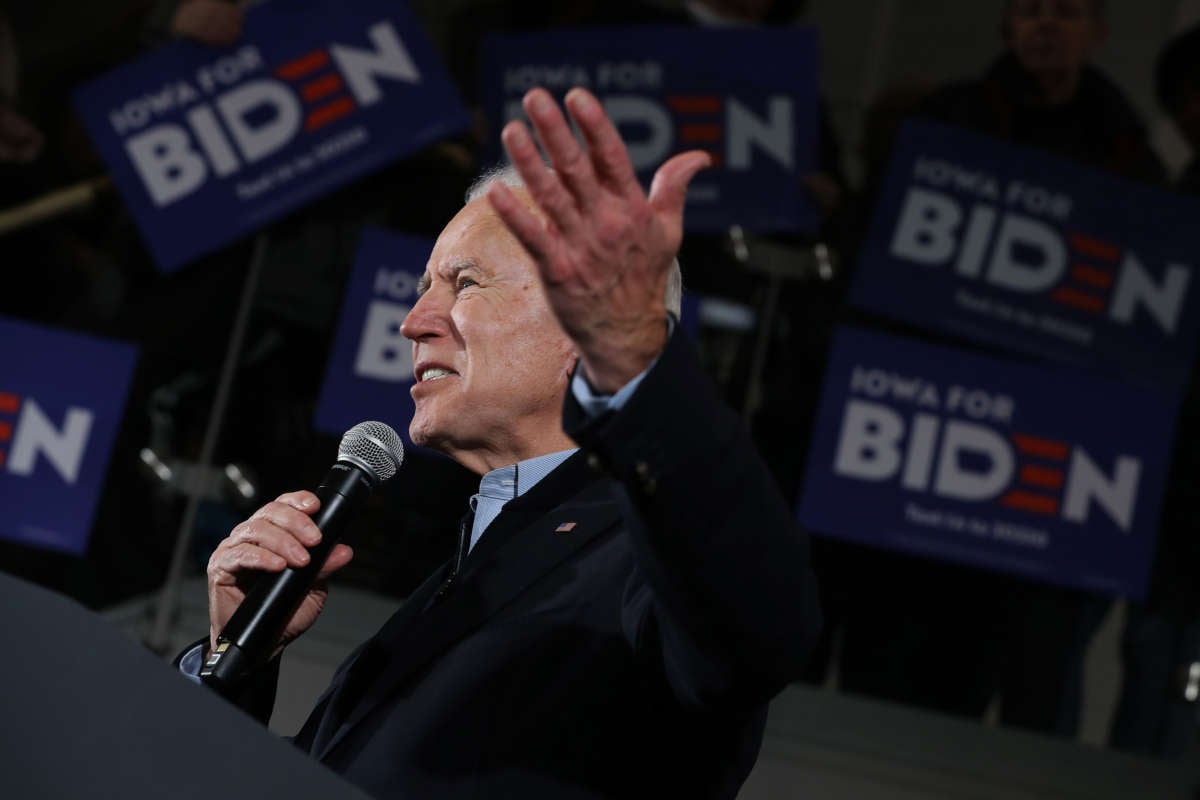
[{"x": 632, "y": 655}]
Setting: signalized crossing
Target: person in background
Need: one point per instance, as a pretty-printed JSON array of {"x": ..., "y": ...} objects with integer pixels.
[
  {"x": 1160, "y": 646},
  {"x": 216, "y": 23},
  {"x": 951, "y": 637},
  {"x": 54, "y": 263},
  {"x": 1044, "y": 92},
  {"x": 1177, "y": 87}
]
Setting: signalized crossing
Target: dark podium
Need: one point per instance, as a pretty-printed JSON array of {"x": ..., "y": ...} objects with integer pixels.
[{"x": 86, "y": 712}]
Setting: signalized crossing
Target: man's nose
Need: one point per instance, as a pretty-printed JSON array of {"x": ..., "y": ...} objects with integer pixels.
[{"x": 424, "y": 320}]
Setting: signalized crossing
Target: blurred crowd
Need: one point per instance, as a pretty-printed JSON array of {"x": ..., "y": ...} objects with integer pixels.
[{"x": 933, "y": 634}]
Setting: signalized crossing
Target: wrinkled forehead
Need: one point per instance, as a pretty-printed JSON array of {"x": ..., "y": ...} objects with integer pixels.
[
  {"x": 477, "y": 234},
  {"x": 476, "y": 239}
]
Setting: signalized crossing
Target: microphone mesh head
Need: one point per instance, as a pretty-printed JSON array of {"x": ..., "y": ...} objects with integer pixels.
[{"x": 373, "y": 446}]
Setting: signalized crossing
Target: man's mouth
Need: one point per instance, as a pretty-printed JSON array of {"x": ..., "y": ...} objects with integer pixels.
[{"x": 434, "y": 373}]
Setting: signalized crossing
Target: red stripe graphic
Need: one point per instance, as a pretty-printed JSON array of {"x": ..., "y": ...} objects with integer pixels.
[
  {"x": 304, "y": 65},
  {"x": 9, "y": 403},
  {"x": 1028, "y": 501},
  {"x": 5, "y": 431},
  {"x": 1077, "y": 299},
  {"x": 1043, "y": 477},
  {"x": 1, "y": 458},
  {"x": 1094, "y": 247},
  {"x": 1097, "y": 278},
  {"x": 328, "y": 113},
  {"x": 695, "y": 104},
  {"x": 1039, "y": 447},
  {"x": 321, "y": 87},
  {"x": 699, "y": 133}
]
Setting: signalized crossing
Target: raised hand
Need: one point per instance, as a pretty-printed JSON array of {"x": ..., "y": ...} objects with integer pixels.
[{"x": 604, "y": 248}]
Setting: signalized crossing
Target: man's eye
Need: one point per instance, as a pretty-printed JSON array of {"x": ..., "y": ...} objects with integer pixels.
[{"x": 463, "y": 283}]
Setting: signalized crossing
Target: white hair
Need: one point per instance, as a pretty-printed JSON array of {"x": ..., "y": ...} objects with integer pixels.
[{"x": 508, "y": 175}]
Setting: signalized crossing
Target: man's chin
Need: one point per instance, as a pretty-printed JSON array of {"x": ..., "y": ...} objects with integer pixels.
[
  {"x": 419, "y": 432},
  {"x": 428, "y": 434},
  {"x": 420, "y": 437}
]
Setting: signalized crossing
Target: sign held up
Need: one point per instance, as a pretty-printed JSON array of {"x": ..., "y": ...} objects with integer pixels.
[
  {"x": 944, "y": 453},
  {"x": 1014, "y": 247},
  {"x": 62, "y": 399},
  {"x": 316, "y": 94},
  {"x": 673, "y": 89},
  {"x": 370, "y": 368}
]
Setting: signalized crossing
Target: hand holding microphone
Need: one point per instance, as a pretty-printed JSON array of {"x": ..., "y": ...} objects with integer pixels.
[{"x": 266, "y": 580}]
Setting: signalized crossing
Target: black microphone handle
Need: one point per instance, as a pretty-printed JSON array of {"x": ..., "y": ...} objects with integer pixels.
[{"x": 249, "y": 637}]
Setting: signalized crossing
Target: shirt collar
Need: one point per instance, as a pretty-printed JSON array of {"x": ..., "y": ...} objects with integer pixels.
[
  {"x": 514, "y": 480},
  {"x": 499, "y": 486}
]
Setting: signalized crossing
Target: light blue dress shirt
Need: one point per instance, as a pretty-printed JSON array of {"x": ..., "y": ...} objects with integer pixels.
[{"x": 501, "y": 485}]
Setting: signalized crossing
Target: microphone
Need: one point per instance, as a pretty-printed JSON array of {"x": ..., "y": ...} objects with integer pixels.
[{"x": 369, "y": 454}]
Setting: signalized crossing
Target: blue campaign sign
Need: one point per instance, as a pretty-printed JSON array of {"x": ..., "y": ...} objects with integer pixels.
[
  {"x": 62, "y": 397},
  {"x": 1015, "y": 247},
  {"x": 1047, "y": 474},
  {"x": 370, "y": 367},
  {"x": 747, "y": 96},
  {"x": 208, "y": 145}
]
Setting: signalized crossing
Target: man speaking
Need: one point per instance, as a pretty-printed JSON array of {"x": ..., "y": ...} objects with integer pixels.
[{"x": 625, "y": 610}]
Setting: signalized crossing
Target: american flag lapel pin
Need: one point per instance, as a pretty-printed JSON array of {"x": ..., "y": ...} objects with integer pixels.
[{"x": 565, "y": 527}]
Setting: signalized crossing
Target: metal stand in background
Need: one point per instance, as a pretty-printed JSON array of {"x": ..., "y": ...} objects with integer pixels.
[
  {"x": 159, "y": 638},
  {"x": 779, "y": 263}
]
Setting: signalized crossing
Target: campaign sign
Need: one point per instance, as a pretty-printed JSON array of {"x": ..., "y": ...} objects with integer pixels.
[
  {"x": 1046, "y": 474},
  {"x": 370, "y": 368},
  {"x": 1015, "y": 247},
  {"x": 62, "y": 397},
  {"x": 675, "y": 89},
  {"x": 207, "y": 145}
]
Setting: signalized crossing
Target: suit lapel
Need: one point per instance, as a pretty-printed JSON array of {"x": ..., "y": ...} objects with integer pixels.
[
  {"x": 331, "y": 719},
  {"x": 522, "y": 544}
]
